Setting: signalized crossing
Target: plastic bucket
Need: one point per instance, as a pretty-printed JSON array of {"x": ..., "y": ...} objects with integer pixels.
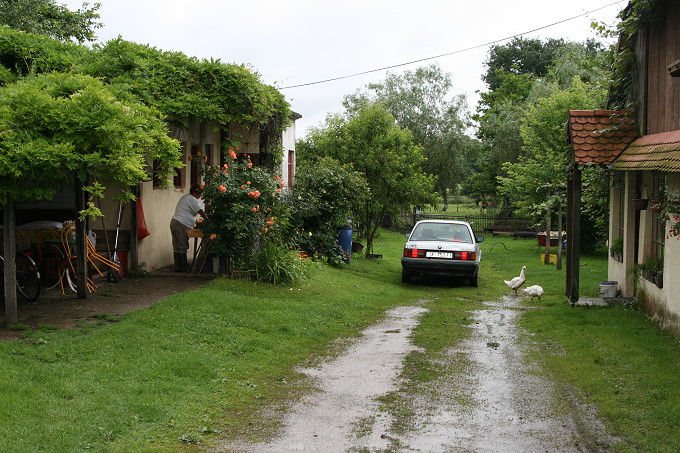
[
  {"x": 345, "y": 240},
  {"x": 608, "y": 289}
]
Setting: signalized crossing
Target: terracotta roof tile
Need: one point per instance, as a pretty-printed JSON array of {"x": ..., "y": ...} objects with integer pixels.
[
  {"x": 599, "y": 136},
  {"x": 652, "y": 152}
]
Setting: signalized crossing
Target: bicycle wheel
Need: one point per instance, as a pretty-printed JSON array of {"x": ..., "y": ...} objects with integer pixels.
[{"x": 28, "y": 278}]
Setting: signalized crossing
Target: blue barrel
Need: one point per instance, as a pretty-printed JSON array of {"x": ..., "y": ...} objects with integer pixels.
[{"x": 345, "y": 240}]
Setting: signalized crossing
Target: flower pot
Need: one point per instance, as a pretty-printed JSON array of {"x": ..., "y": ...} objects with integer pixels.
[
  {"x": 658, "y": 281},
  {"x": 657, "y": 206},
  {"x": 640, "y": 204}
]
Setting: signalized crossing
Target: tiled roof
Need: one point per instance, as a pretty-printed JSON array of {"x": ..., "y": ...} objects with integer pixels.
[
  {"x": 599, "y": 136},
  {"x": 652, "y": 152}
]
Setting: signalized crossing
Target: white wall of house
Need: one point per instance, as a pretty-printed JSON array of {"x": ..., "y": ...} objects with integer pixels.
[
  {"x": 661, "y": 304},
  {"x": 287, "y": 169},
  {"x": 159, "y": 204}
]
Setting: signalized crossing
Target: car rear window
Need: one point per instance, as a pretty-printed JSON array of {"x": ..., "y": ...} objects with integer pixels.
[{"x": 441, "y": 232}]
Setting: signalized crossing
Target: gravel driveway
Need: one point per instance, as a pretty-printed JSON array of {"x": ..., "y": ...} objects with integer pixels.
[{"x": 498, "y": 404}]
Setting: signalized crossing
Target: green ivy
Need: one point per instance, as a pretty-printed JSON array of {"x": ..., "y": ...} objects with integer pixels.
[
  {"x": 635, "y": 17},
  {"x": 182, "y": 88}
]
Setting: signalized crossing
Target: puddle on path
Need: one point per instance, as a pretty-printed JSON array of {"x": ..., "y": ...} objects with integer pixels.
[{"x": 327, "y": 420}]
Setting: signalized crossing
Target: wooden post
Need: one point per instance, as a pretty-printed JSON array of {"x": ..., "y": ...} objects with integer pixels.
[
  {"x": 133, "y": 257},
  {"x": 548, "y": 227},
  {"x": 559, "y": 234},
  {"x": 81, "y": 259},
  {"x": 9, "y": 222},
  {"x": 573, "y": 234}
]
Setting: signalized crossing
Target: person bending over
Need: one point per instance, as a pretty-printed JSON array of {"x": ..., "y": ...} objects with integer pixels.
[{"x": 183, "y": 220}]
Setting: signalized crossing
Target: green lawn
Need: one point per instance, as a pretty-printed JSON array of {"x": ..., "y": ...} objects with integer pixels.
[{"x": 203, "y": 365}]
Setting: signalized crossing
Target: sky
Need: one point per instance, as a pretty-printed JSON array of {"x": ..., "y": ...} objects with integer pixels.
[{"x": 301, "y": 42}]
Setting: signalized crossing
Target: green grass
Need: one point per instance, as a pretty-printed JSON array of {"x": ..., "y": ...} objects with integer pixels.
[
  {"x": 219, "y": 361},
  {"x": 621, "y": 362}
]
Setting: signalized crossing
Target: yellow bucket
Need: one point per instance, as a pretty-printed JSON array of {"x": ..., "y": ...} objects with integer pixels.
[{"x": 552, "y": 259}]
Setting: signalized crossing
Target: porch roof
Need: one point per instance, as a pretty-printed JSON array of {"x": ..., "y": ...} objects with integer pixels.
[
  {"x": 599, "y": 136},
  {"x": 652, "y": 152}
]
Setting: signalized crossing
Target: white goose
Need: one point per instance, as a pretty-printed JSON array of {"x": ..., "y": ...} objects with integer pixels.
[
  {"x": 534, "y": 291},
  {"x": 517, "y": 282}
]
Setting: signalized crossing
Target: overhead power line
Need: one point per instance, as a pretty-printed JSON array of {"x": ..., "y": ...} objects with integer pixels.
[{"x": 356, "y": 74}]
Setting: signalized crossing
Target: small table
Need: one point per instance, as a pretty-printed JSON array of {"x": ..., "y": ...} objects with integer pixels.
[{"x": 196, "y": 234}]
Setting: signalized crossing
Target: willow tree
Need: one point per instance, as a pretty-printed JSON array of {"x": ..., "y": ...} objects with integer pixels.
[
  {"x": 59, "y": 126},
  {"x": 59, "y": 129}
]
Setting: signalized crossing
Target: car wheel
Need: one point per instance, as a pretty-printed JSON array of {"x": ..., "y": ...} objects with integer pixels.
[
  {"x": 405, "y": 277},
  {"x": 473, "y": 281}
]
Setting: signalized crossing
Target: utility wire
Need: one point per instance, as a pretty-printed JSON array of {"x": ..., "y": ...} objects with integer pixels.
[{"x": 333, "y": 79}]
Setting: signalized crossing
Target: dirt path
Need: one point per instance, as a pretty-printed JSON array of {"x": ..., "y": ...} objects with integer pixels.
[
  {"x": 115, "y": 299},
  {"x": 497, "y": 405}
]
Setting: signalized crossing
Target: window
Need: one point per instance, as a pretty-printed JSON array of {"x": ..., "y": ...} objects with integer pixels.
[
  {"x": 176, "y": 178},
  {"x": 198, "y": 158},
  {"x": 291, "y": 168},
  {"x": 620, "y": 185},
  {"x": 618, "y": 221},
  {"x": 658, "y": 235}
]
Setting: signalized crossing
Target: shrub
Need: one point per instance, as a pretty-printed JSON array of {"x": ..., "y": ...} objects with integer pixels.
[
  {"x": 241, "y": 201},
  {"x": 278, "y": 264},
  {"x": 323, "y": 199}
]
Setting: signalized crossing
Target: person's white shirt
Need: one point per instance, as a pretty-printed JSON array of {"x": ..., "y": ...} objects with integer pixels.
[{"x": 186, "y": 210}]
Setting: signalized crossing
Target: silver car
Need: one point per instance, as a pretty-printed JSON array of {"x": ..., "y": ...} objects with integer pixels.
[{"x": 442, "y": 248}]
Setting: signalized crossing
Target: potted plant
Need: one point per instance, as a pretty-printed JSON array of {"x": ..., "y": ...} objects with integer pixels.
[
  {"x": 616, "y": 250},
  {"x": 651, "y": 269}
]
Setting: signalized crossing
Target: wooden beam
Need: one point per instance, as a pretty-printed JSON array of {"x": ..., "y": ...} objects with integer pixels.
[
  {"x": 81, "y": 259},
  {"x": 9, "y": 222},
  {"x": 548, "y": 227},
  {"x": 573, "y": 234},
  {"x": 558, "y": 265},
  {"x": 674, "y": 69},
  {"x": 133, "y": 257}
]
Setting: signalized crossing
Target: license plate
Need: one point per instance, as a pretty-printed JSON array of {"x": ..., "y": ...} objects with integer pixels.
[{"x": 448, "y": 255}]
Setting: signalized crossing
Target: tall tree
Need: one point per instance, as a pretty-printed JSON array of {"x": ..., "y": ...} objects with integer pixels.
[
  {"x": 544, "y": 161},
  {"x": 519, "y": 56},
  {"x": 45, "y": 17},
  {"x": 519, "y": 75},
  {"x": 421, "y": 101},
  {"x": 385, "y": 154}
]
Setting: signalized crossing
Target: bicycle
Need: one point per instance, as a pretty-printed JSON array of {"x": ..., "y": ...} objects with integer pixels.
[{"x": 28, "y": 276}]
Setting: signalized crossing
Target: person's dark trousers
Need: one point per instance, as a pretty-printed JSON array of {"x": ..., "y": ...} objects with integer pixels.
[{"x": 183, "y": 264}]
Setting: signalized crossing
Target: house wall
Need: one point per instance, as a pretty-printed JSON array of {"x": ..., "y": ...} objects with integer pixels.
[
  {"x": 288, "y": 143},
  {"x": 662, "y": 95},
  {"x": 247, "y": 136},
  {"x": 618, "y": 271},
  {"x": 158, "y": 205},
  {"x": 661, "y": 304}
]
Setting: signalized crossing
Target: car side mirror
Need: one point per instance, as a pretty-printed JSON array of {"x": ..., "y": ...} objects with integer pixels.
[
  {"x": 408, "y": 236},
  {"x": 480, "y": 239}
]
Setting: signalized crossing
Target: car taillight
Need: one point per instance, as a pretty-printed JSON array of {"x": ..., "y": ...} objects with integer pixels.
[
  {"x": 465, "y": 256},
  {"x": 414, "y": 253}
]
